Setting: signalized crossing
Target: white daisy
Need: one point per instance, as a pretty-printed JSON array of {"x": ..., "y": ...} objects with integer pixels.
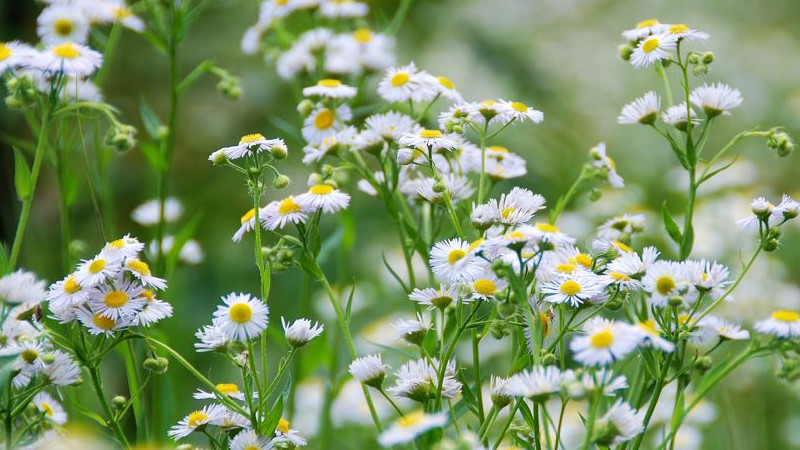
[
  {"x": 228, "y": 389},
  {"x": 499, "y": 388},
  {"x": 279, "y": 213},
  {"x": 632, "y": 264},
  {"x": 324, "y": 197},
  {"x": 708, "y": 276},
  {"x": 643, "y": 29},
  {"x": 782, "y": 323},
  {"x": 435, "y": 298},
  {"x": 59, "y": 23},
  {"x": 324, "y": 122},
  {"x": 402, "y": 84},
  {"x": 286, "y": 437},
  {"x": 301, "y": 331},
  {"x": 624, "y": 225},
  {"x": 652, "y": 336},
  {"x": 369, "y": 370},
  {"x": 209, "y": 414},
  {"x": 458, "y": 187},
  {"x": 604, "y": 380},
  {"x": 248, "y": 221},
  {"x": 68, "y": 58},
  {"x": 664, "y": 279},
  {"x": 643, "y": 110},
  {"x": 212, "y": 338},
  {"x": 716, "y": 99},
  {"x": 537, "y": 384},
  {"x": 652, "y": 49},
  {"x": 149, "y": 212},
  {"x": 487, "y": 286},
  {"x": 99, "y": 324},
  {"x": 61, "y": 369},
  {"x": 431, "y": 139},
  {"x": 250, "y": 145},
  {"x": 682, "y": 31},
  {"x": 21, "y": 287},
  {"x": 391, "y": 125},
  {"x": 446, "y": 88},
  {"x": 676, "y": 116},
  {"x": 330, "y": 88},
  {"x": 519, "y": 111},
  {"x": 411, "y": 330},
  {"x": 94, "y": 271},
  {"x": 517, "y": 206},
  {"x": 153, "y": 310},
  {"x": 547, "y": 233},
  {"x": 50, "y": 408},
  {"x": 724, "y": 329},
  {"x": 411, "y": 425},
  {"x": 419, "y": 380},
  {"x": 620, "y": 423},
  {"x": 574, "y": 288},
  {"x": 14, "y": 54},
  {"x": 241, "y": 316},
  {"x": 604, "y": 342},
  {"x": 120, "y": 299},
  {"x": 451, "y": 261},
  {"x": 606, "y": 164},
  {"x": 343, "y": 8},
  {"x": 249, "y": 440},
  {"x": 330, "y": 145},
  {"x": 141, "y": 270},
  {"x": 125, "y": 247}
]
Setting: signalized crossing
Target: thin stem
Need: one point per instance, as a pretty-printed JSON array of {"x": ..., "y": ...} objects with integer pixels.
[
  {"x": 560, "y": 422},
  {"x": 391, "y": 402},
  {"x": 476, "y": 363},
  {"x": 651, "y": 407},
  {"x": 731, "y": 288},
  {"x": 595, "y": 406},
  {"x": 94, "y": 374}
]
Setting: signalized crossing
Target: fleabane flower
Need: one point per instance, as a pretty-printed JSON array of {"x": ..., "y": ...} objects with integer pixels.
[
  {"x": 664, "y": 279},
  {"x": 391, "y": 125},
  {"x": 250, "y": 145},
  {"x": 241, "y": 316},
  {"x": 323, "y": 197},
  {"x": 606, "y": 165},
  {"x": 149, "y": 212},
  {"x": 60, "y": 23},
  {"x": 68, "y": 58},
  {"x": 248, "y": 223},
  {"x": 451, "y": 261},
  {"x": 446, "y": 88},
  {"x": 621, "y": 226},
  {"x": 141, "y": 270},
  {"x": 724, "y": 329},
  {"x": 249, "y": 440},
  {"x": 435, "y": 298},
  {"x": 330, "y": 88},
  {"x": 212, "y": 338},
  {"x": 343, "y": 8},
  {"x": 401, "y": 84},
  {"x": 682, "y": 31},
  {"x": 432, "y": 139},
  {"x": 419, "y": 380},
  {"x": 632, "y": 264},
  {"x": 119, "y": 300},
  {"x": 209, "y": 414},
  {"x": 301, "y": 331},
  {"x": 412, "y": 331},
  {"x": 49, "y": 406},
  {"x": 678, "y": 116},
  {"x": 410, "y": 426},
  {"x": 652, "y": 336},
  {"x": 279, "y": 213},
  {"x": 369, "y": 370},
  {"x": 537, "y": 384},
  {"x": 519, "y": 111},
  {"x": 487, "y": 286},
  {"x": 99, "y": 324},
  {"x": 67, "y": 292},
  {"x": 782, "y": 323},
  {"x": 21, "y": 287},
  {"x": 620, "y": 423},
  {"x": 122, "y": 248},
  {"x": 324, "y": 122},
  {"x": 15, "y": 54},
  {"x": 653, "y": 48},
  {"x": 153, "y": 310},
  {"x": 716, "y": 99},
  {"x": 517, "y": 206},
  {"x": 93, "y": 271},
  {"x": 604, "y": 342},
  {"x": 643, "y": 29},
  {"x": 574, "y": 288},
  {"x": 643, "y": 110}
]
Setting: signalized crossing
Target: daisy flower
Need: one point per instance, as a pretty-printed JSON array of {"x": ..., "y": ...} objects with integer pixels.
[
  {"x": 125, "y": 247},
  {"x": 499, "y": 388},
  {"x": 391, "y": 125},
  {"x": 624, "y": 225},
  {"x": 519, "y": 111},
  {"x": 676, "y": 116},
  {"x": 663, "y": 280},
  {"x": 329, "y": 145},
  {"x": 93, "y": 271},
  {"x": 435, "y": 298},
  {"x": 141, "y": 270},
  {"x": 61, "y": 369},
  {"x": 652, "y": 49},
  {"x": 242, "y": 317},
  {"x": 517, "y": 206},
  {"x": 682, "y": 31},
  {"x": 545, "y": 232},
  {"x": 643, "y": 110},
  {"x": 603, "y": 342},
  {"x": 21, "y": 287},
  {"x": 330, "y": 88},
  {"x": 153, "y": 310},
  {"x": 59, "y": 23},
  {"x": 622, "y": 424},
  {"x": 606, "y": 164},
  {"x": 14, "y": 54},
  {"x": 285, "y": 436},
  {"x": 632, "y": 264},
  {"x": 228, "y": 389},
  {"x": 68, "y": 58},
  {"x": 278, "y": 214},
  {"x": 652, "y": 337},
  {"x": 458, "y": 186},
  {"x": 537, "y": 384},
  {"x": 212, "y": 338},
  {"x": 604, "y": 380},
  {"x": 708, "y": 276},
  {"x": 782, "y": 323},
  {"x": 195, "y": 419},
  {"x": 432, "y": 139},
  {"x": 250, "y": 145},
  {"x": 343, "y": 8},
  {"x": 788, "y": 208},
  {"x": 643, "y": 29},
  {"x": 451, "y": 263},
  {"x": 419, "y": 380},
  {"x": 323, "y": 197},
  {"x": 487, "y": 285},
  {"x": 724, "y": 329},
  {"x": 401, "y": 84},
  {"x": 120, "y": 299},
  {"x": 408, "y": 427},
  {"x": 369, "y": 370},
  {"x": 574, "y": 288},
  {"x": 99, "y": 324},
  {"x": 50, "y": 408},
  {"x": 716, "y": 99},
  {"x": 411, "y": 330},
  {"x": 324, "y": 122},
  {"x": 248, "y": 221},
  {"x": 249, "y": 440},
  {"x": 149, "y": 212},
  {"x": 301, "y": 331},
  {"x": 118, "y": 11},
  {"x": 446, "y": 88}
]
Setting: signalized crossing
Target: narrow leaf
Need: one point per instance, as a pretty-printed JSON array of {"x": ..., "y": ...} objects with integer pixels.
[
  {"x": 671, "y": 226},
  {"x": 22, "y": 175}
]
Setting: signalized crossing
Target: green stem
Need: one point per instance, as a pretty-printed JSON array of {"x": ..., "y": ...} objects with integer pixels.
[
  {"x": 594, "y": 408},
  {"x": 560, "y": 422},
  {"x": 94, "y": 374},
  {"x": 134, "y": 388},
  {"x": 731, "y": 288},
  {"x": 391, "y": 402},
  {"x": 651, "y": 407},
  {"x": 476, "y": 363},
  {"x": 507, "y": 425}
]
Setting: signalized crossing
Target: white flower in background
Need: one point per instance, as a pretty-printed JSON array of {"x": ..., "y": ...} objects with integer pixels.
[
  {"x": 653, "y": 49},
  {"x": 329, "y": 145},
  {"x": 301, "y": 57},
  {"x": 724, "y": 329},
  {"x": 782, "y": 323},
  {"x": 109, "y": 11},
  {"x": 324, "y": 122},
  {"x": 52, "y": 410},
  {"x": 149, "y": 212},
  {"x": 301, "y": 331},
  {"x": 59, "y": 23},
  {"x": 620, "y": 424},
  {"x": 602, "y": 161},
  {"x": 330, "y": 88},
  {"x": 519, "y": 111},
  {"x": 411, "y": 330},
  {"x": 632, "y": 264},
  {"x": 191, "y": 252},
  {"x": 212, "y": 338},
  {"x": 391, "y": 125},
  {"x": 624, "y": 225},
  {"x": 241, "y": 316},
  {"x": 452, "y": 262},
  {"x": 68, "y": 58},
  {"x": 537, "y": 384},
  {"x": 573, "y": 288},
  {"x": 369, "y": 370},
  {"x": 279, "y": 213},
  {"x": 323, "y": 197},
  {"x": 716, "y": 99},
  {"x": 408, "y": 427},
  {"x": 435, "y": 298},
  {"x": 676, "y": 116},
  {"x": 21, "y": 287},
  {"x": 209, "y": 414},
  {"x": 14, "y": 54},
  {"x": 419, "y": 380},
  {"x": 643, "y": 29},
  {"x": 363, "y": 49},
  {"x": 433, "y": 139},
  {"x": 603, "y": 380},
  {"x": 652, "y": 336},
  {"x": 343, "y": 9},
  {"x": 643, "y": 110},
  {"x": 458, "y": 186},
  {"x": 604, "y": 342},
  {"x": 682, "y": 31},
  {"x": 250, "y": 145},
  {"x": 248, "y": 440}
]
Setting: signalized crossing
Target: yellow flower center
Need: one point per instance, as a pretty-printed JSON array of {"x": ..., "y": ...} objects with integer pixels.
[
  {"x": 196, "y": 419},
  {"x": 115, "y": 299},
  {"x": 5, "y": 52},
  {"x": 148, "y": 295},
  {"x": 624, "y": 247},
  {"x": 547, "y": 228},
  {"x": 447, "y": 83},
  {"x": 488, "y": 103},
  {"x": 515, "y": 235},
  {"x": 283, "y": 425},
  {"x": 786, "y": 316},
  {"x": 649, "y": 326},
  {"x": 282, "y": 2},
  {"x": 665, "y": 285},
  {"x": 329, "y": 82},
  {"x": 647, "y": 23},
  {"x": 118, "y": 244},
  {"x": 570, "y": 288},
  {"x": 324, "y": 119},
  {"x": 603, "y": 339},
  {"x": 97, "y": 265},
  {"x": 362, "y": 35},
  {"x": 139, "y": 266},
  {"x": 321, "y": 189},
  {"x": 475, "y": 244},
  {"x": 399, "y": 79},
  {"x": 565, "y": 268},
  {"x": 122, "y": 13},
  {"x": 430, "y": 134},
  {"x": 63, "y": 27},
  {"x": 506, "y": 212},
  {"x": 584, "y": 260},
  {"x": 498, "y": 149},
  {"x": 228, "y": 388},
  {"x": 47, "y": 409},
  {"x": 29, "y": 355},
  {"x": 411, "y": 419},
  {"x": 71, "y": 286},
  {"x": 455, "y": 255},
  {"x": 248, "y": 216},
  {"x": 251, "y": 447},
  {"x": 678, "y": 28},
  {"x": 103, "y": 322},
  {"x": 241, "y": 312},
  {"x": 66, "y": 50},
  {"x": 250, "y": 138},
  {"x": 519, "y": 106},
  {"x": 619, "y": 276},
  {"x": 288, "y": 206},
  {"x": 650, "y": 45},
  {"x": 485, "y": 287}
]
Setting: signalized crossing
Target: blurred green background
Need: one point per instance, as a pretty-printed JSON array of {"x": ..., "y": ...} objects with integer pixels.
[{"x": 559, "y": 56}]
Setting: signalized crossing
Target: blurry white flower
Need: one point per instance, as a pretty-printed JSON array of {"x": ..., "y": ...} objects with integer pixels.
[
  {"x": 301, "y": 331},
  {"x": 643, "y": 110},
  {"x": 21, "y": 287},
  {"x": 408, "y": 427},
  {"x": 149, "y": 212},
  {"x": 68, "y": 58},
  {"x": 369, "y": 370}
]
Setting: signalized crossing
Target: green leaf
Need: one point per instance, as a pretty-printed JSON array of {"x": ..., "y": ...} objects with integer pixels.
[
  {"x": 522, "y": 362},
  {"x": 688, "y": 241},
  {"x": 6, "y": 366},
  {"x": 309, "y": 265},
  {"x": 22, "y": 176},
  {"x": 394, "y": 274},
  {"x": 273, "y": 418},
  {"x": 149, "y": 119},
  {"x": 669, "y": 223},
  {"x": 89, "y": 413}
]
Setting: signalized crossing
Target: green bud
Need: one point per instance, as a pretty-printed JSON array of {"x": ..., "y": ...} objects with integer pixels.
[
  {"x": 499, "y": 329},
  {"x": 119, "y": 401},
  {"x": 615, "y": 303},
  {"x": 771, "y": 245},
  {"x": 675, "y": 301},
  {"x": 548, "y": 359},
  {"x": 693, "y": 59},
  {"x": 255, "y": 171},
  {"x": 13, "y": 103},
  {"x": 121, "y": 137},
  {"x": 595, "y": 194},
  {"x": 708, "y": 57},
  {"x": 305, "y": 107},
  {"x": 458, "y": 129},
  {"x": 230, "y": 86},
  {"x": 625, "y": 51},
  {"x": 439, "y": 187},
  {"x": 703, "y": 364},
  {"x": 281, "y": 181},
  {"x": 700, "y": 70},
  {"x": 156, "y": 365},
  {"x": 279, "y": 151}
]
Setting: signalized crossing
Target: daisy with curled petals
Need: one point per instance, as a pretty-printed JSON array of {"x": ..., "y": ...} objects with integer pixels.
[
  {"x": 652, "y": 337},
  {"x": 391, "y": 125},
  {"x": 708, "y": 276},
  {"x": 435, "y": 298},
  {"x": 323, "y": 197},
  {"x": 603, "y": 342},
  {"x": 61, "y": 370},
  {"x": 517, "y": 206},
  {"x": 537, "y": 384},
  {"x": 248, "y": 223},
  {"x": 519, "y": 111},
  {"x": 664, "y": 279},
  {"x": 617, "y": 227},
  {"x": 212, "y": 338},
  {"x": 50, "y": 408},
  {"x": 228, "y": 389},
  {"x": 643, "y": 29},
  {"x": 653, "y": 49},
  {"x": 99, "y": 324},
  {"x": 301, "y": 331},
  {"x": 451, "y": 261},
  {"x": 279, "y": 213},
  {"x": 632, "y": 264},
  {"x": 153, "y": 310},
  {"x": 682, "y": 31},
  {"x": 324, "y": 122},
  {"x": 574, "y": 288},
  {"x": 67, "y": 292},
  {"x": 125, "y": 247},
  {"x": 419, "y": 380},
  {"x": 763, "y": 211},
  {"x": 716, "y": 99},
  {"x": 93, "y": 271},
  {"x": 196, "y": 419},
  {"x": 68, "y": 58},
  {"x": 782, "y": 323},
  {"x": 141, "y": 270},
  {"x": 62, "y": 23},
  {"x": 724, "y": 329},
  {"x": 622, "y": 422},
  {"x": 285, "y": 436},
  {"x": 408, "y": 427},
  {"x": 412, "y": 331},
  {"x": 242, "y": 317},
  {"x": 14, "y": 54},
  {"x": 487, "y": 286},
  {"x": 249, "y": 440},
  {"x": 677, "y": 116},
  {"x": 446, "y": 88},
  {"x": 458, "y": 186},
  {"x": 643, "y": 110},
  {"x": 369, "y": 370},
  {"x": 330, "y": 88},
  {"x": 250, "y": 145},
  {"x": 606, "y": 164},
  {"x": 120, "y": 299},
  {"x": 603, "y": 380},
  {"x": 430, "y": 139}
]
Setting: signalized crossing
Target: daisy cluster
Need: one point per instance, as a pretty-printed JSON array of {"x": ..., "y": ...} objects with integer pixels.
[
  {"x": 652, "y": 41},
  {"x": 63, "y": 61},
  {"x": 113, "y": 291},
  {"x": 327, "y": 47}
]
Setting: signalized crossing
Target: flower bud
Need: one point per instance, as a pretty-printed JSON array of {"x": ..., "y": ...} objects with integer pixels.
[
  {"x": 458, "y": 129},
  {"x": 439, "y": 187},
  {"x": 675, "y": 300},
  {"x": 700, "y": 70},
  {"x": 119, "y": 401},
  {"x": 230, "y": 86},
  {"x": 13, "y": 103},
  {"x": 305, "y": 107},
  {"x": 218, "y": 157},
  {"x": 708, "y": 57},
  {"x": 281, "y": 181},
  {"x": 157, "y": 365},
  {"x": 405, "y": 156},
  {"x": 121, "y": 137},
  {"x": 548, "y": 359},
  {"x": 693, "y": 59},
  {"x": 279, "y": 151},
  {"x": 771, "y": 245},
  {"x": 499, "y": 329},
  {"x": 703, "y": 364},
  {"x": 625, "y": 51}
]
